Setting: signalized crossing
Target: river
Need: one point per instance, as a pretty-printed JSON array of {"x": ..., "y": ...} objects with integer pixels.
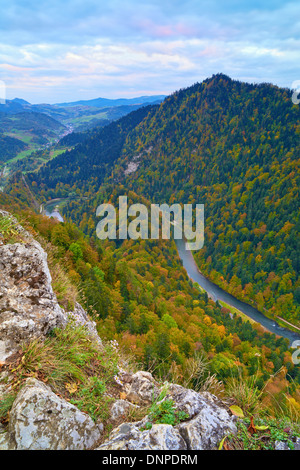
[
  {"x": 216, "y": 293},
  {"x": 50, "y": 209}
]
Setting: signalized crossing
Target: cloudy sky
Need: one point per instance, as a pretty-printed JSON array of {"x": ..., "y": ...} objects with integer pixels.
[{"x": 65, "y": 50}]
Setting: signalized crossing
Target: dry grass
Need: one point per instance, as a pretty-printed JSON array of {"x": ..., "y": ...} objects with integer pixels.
[{"x": 72, "y": 365}]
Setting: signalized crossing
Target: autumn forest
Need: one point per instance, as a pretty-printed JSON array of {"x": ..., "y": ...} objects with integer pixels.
[{"x": 229, "y": 145}]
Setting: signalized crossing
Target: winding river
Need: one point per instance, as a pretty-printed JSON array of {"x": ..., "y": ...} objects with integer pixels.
[
  {"x": 216, "y": 293},
  {"x": 51, "y": 209}
]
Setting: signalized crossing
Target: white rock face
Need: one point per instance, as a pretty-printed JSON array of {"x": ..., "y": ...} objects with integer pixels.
[
  {"x": 206, "y": 430},
  {"x": 41, "y": 420},
  {"x": 28, "y": 305},
  {"x": 129, "y": 436}
]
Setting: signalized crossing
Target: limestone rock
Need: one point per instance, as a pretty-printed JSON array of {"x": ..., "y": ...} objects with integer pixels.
[
  {"x": 4, "y": 439},
  {"x": 120, "y": 408},
  {"x": 129, "y": 436},
  {"x": 207, "y": 428},
  {"x": 40, "y": 420},
  {"x": 187, "y": 400},
  {"x": 28, "y": 305},
  {"x": 207, "y": 423},
  {"x": 80, "y": 317},
  {"x": 142, "y": 389}
]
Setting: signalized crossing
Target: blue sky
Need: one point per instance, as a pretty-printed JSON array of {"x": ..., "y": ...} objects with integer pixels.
[{"x": 65, "y": 50}]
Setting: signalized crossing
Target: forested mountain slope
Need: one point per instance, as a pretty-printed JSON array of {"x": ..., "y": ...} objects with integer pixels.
[
  {"x": 86, "y": 166},
  {"x": 233, "y": 147},
  {"x": 139, "y": 295}
]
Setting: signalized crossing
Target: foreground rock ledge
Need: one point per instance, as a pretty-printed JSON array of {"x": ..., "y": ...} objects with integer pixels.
[
  {"x": 40, "y": 420},
  {"x": 208, "y": 421},
  {"x": 28, "y": 305}
]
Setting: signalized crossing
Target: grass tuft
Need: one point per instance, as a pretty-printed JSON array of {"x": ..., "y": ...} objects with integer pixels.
[{"x": 73, "y": 366}]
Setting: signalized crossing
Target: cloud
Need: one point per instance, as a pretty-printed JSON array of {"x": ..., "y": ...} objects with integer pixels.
[{"x": 79, "y": 49}]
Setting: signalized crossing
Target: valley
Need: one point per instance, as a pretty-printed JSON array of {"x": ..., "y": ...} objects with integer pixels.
[
  {"x": 53, "y": 208},
  {"x": 31, "y": 133}
]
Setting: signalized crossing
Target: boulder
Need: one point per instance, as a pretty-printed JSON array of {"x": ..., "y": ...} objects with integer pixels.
[
  {"x": 142, "y": 389},
  {"x": 208, "y": 421},
  {"x": 40, "y": 420},
  {"x": 131, "y": 436},
  {"x": 206, "y": 429}
]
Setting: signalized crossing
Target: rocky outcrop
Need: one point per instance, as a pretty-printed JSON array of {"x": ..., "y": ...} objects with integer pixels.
[
  {"x": 41, "y": 420},
  {"x": 28, "y": 305}
]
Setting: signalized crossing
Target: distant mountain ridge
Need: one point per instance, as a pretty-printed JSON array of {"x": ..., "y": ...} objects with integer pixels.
[
  {"x": 82, "y": 115},
  {"x": 105, "y": 102}
]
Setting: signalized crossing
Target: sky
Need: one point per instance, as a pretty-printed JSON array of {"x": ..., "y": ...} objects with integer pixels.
[{"x": 66, "y": 50}]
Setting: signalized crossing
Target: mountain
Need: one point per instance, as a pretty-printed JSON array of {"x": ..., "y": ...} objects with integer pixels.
[
  {"x": 93, "y": 157},
  {"x": 230, "y": 145},
  {"x": 105, "y": 103},
  {"x": 82, "y": 115},
  {"x": 20, "y": 101},
  {"x": 235, "y": 148}
]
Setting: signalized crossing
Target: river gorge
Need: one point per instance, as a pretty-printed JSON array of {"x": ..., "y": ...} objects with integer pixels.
[{"x": 216, "y": 293}]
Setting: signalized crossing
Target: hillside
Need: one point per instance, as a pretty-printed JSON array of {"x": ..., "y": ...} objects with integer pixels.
[
  {"x": 58, "y": 361},
  {"x": 43, "y": 130},
  {"x": 10, "y": 147},
  {"x": 84, "y": 114},
  {"x": 30, "y": 129},
  {"x": 93, "y": 158},
  {"x": 233, "y": 147},
  {"x": 138, "y": 292}
]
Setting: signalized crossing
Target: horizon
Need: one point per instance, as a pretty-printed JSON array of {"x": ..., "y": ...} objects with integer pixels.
[
  {"x": 291, "y": 88},
  {"x": 94, "y": 98},
  {"x": 66, "y": 51}
]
